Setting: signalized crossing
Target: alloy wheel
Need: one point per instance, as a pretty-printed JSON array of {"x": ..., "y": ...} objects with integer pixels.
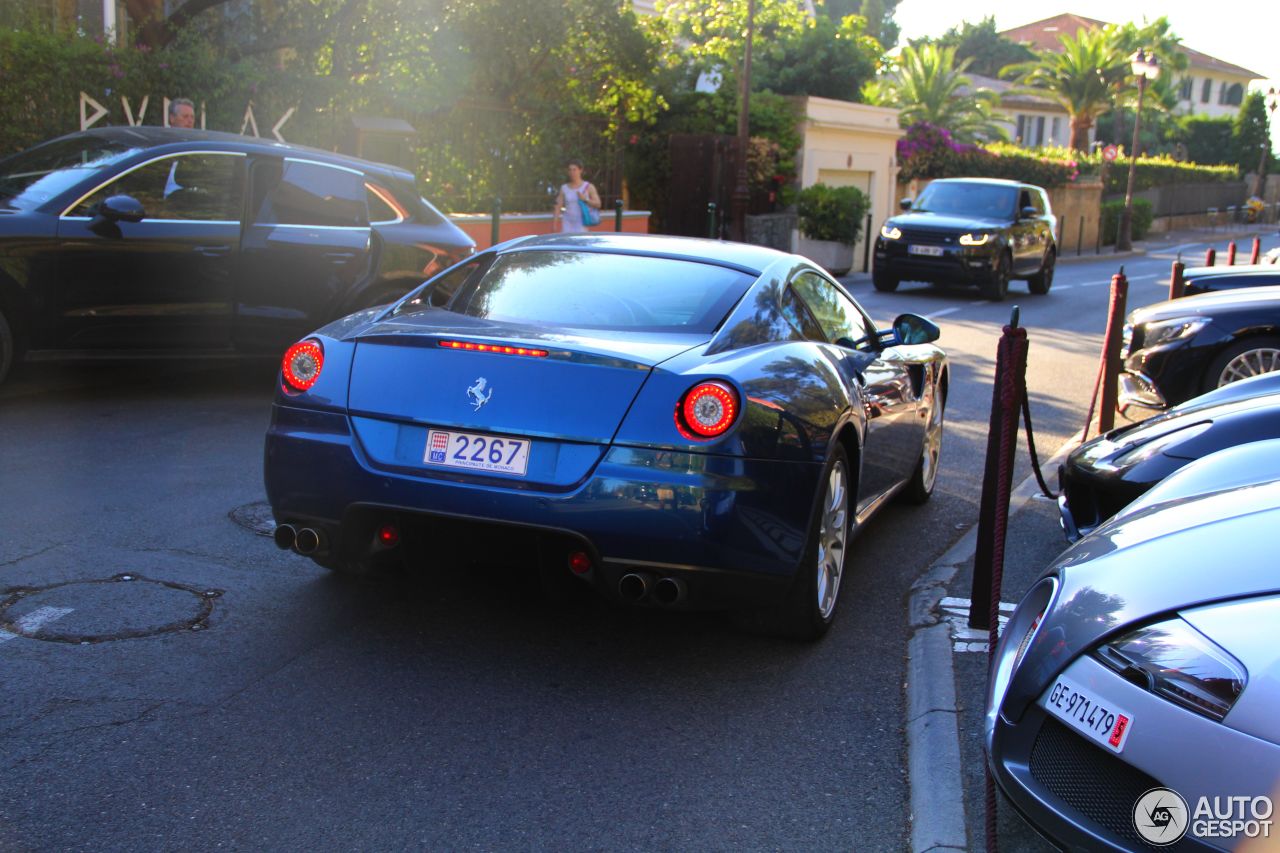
[
  {"x": 833, "y": 536},
  {"x": 1252, "y": 362}
]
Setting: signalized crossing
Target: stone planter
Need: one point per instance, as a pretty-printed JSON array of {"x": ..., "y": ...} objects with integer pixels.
[{"x": 835, "y": 258}]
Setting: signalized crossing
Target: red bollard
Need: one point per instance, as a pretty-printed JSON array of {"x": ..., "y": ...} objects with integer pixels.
[
  {"x": 1109, "y": 366},
  {"x": 1256, "y": 254},
  {"x": 1209, "y": 257},
  {"x": 1231, "y": 253},
  {"x": 1177, "y": 286}
]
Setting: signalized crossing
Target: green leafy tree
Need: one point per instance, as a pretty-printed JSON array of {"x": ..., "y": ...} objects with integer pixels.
[
  {"x": 1205, "y": 139},
  {"x": 1250, "y": 134},
  {"x": 986, "y": 50},
  {"x": 879, "y": 15},
  {"x": 927, "y": 85},
  {"x": 826, "y": 60},
  {"x": 1084, "y": 77},
  {"x": 710, "y": 35}
]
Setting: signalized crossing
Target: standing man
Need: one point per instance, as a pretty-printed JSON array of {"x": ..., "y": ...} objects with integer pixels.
[{"x": 182, "y": 113}]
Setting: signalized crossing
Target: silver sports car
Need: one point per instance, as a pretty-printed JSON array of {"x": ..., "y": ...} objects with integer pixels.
[{"x": 1134, "y": 693}]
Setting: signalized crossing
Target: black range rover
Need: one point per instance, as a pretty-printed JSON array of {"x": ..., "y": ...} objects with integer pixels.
[{"x": 970, "y": 231}]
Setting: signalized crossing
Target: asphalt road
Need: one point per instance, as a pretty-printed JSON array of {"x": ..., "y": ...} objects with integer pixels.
[{"x": 178, "y": 682}]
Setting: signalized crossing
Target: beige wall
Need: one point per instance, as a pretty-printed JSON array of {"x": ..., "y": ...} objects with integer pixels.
[{"x": 848, "y": 144}]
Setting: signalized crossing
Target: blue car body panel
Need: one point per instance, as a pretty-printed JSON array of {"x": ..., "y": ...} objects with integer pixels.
[{"x": 609, "y": 466}]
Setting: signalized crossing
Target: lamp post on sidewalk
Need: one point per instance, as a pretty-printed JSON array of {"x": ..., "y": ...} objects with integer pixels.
[
  {"x": 1260, "y": 186},
  {"x": 1145, "y": 67}
]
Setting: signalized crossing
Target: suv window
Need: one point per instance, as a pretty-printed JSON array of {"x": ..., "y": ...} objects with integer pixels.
[
  {"x": 299, "y": 192},
  {"x": 200, "y": 187},
  {"x": 383, "y": 207},
  {"x": 836, "y": 313}
]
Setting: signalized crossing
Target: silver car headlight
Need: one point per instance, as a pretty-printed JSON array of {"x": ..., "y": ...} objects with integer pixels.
[
  {"x": 1174, "y": 660},
  {"x": 1168, "y": 331}
]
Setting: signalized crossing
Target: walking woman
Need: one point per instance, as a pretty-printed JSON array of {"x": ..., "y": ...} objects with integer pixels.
[{"x": 567, "y": 200}]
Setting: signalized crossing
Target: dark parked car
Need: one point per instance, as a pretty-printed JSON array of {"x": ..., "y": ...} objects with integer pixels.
[
  {"x": 1208, "y": 279},
  {"x": 970, "y": 231},
  {"x": 1104, "y": 475},
  {"x": 674, "y": 422},
  {"x": 1179, "y": 349},
  {"x": 1135, "y": 684},
  {"x": 137, "y": 238}
]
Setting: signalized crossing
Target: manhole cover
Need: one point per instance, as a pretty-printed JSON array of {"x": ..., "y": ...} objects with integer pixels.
[
  {"x": 255, "y": 517},
  {"x": 118, "y": 608}
]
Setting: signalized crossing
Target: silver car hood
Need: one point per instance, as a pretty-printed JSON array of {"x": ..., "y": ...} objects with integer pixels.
[{"x": 1160, "y": 558}]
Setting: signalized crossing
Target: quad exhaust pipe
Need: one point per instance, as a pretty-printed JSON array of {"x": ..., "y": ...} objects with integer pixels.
[
  {"x": 637, "y": 586},
  {"x": 285, "y": 536}
]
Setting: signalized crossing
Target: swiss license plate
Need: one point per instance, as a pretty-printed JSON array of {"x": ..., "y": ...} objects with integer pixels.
[
  {"x": 931, "y": 251},
  {"x": 1083, "y": 710},
  {"x": 477, "y": 452}
]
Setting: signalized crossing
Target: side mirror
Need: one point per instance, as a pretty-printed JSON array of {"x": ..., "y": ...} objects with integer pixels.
[
  {"x": 914, "y": 329},
  {"x": 905, "y": 204},
  {"x": 1029, "y": 212},
  {"x": 120, "y": 208}
]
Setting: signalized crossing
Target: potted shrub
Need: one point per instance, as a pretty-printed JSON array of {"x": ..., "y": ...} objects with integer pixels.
[{"x": 831, "y": 222}]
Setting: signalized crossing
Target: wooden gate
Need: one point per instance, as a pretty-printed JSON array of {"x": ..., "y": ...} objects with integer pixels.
[{"x": 703, "y": 168}]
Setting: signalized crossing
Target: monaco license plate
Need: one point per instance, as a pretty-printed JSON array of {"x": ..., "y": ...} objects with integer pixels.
[
  {"x": 1087, "y": 713},
  {"x": 931, "y": 251},
  {"x": 477, "y": 452}
]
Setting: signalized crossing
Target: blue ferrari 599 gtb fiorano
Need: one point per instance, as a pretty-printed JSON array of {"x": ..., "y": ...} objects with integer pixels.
[{"x": 681, "y": 423}]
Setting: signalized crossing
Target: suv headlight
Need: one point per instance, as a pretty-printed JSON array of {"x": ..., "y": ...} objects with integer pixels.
[
  {"x": 1168, "y": 331},
  {"x": 889, "y": 232},
  {"x": 975, "y": 239},
  {"x": 1176, "y": 661}
]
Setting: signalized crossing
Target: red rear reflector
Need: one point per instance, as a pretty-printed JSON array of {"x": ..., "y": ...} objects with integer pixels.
[
  {"x": 501, "y": 349},
  {"x": 707, "y": 410},
  {"x": 579, "y": 562},
  {"x": 388, "y": 535},
  {"x": 302, "y": 364}
]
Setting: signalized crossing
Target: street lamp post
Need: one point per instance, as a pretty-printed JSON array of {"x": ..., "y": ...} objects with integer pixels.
[
  {"x": 1260, "y": 185},
  {"x": 1145, "y": 67}
]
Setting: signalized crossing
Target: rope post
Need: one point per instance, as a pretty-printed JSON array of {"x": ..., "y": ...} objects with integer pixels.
[
  {"x": 1231, "y": 253},
  {"x": 1177, "y": 286},
  {"x": 1111, "y": 352},
  {"x": 711, "y": 220},
  {"x": 617, "y": 215},
  {"x": 1210, "y": 256},
  {"x": 495, "y": 226},
  {"x": 1080, "y": 238},
  {"x": 1256, "y": 254},
  {"x": 866, "y": 246}
]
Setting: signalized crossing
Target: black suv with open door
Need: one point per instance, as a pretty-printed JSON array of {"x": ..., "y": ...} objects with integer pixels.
[
  {"x": 970, "y": 231},
  {"x": 157, "y": 239}
]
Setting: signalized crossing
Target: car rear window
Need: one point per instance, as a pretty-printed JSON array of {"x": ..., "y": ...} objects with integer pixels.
[
  {"x": 597, "y": 290},
  {"x": 967, "y": 199}
]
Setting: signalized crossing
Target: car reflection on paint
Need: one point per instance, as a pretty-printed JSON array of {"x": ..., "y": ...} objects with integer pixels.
[{"x": 672, "y": 422}]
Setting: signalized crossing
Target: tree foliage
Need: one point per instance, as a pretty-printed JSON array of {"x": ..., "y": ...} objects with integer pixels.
[
  {"x": 877, "y": 13},
  {"x": 986, "y": 50},
  {"x": 1084, "y": 77},
  {"x": 1250, "y": 134},
  {"x": 927, "y": 85},
  {"x": 825, "y": 59}
]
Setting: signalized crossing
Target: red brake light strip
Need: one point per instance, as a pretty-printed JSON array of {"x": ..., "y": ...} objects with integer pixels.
[{"x": 500, "y": 349}]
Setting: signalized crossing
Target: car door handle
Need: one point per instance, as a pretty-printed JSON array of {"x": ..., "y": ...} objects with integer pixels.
[
  {"x": 338, "y": 256},
  {"x": 213, "y": 251}
]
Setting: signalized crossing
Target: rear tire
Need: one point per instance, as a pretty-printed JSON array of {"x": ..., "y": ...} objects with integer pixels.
[
  {"x": 1249, "y": 357},
  {"x": 997, "y": 286},
  {"x": 8, "y": 348},
  {"x": 810, "y": 607},
  {"x": 1040, "y": 283},
  {"x": 883, "y": 282}
]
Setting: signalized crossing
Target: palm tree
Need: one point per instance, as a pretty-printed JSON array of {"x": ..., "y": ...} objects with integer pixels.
[
  {"x": 1084, "y": 77},
  {"x": 927, "y": 85}
]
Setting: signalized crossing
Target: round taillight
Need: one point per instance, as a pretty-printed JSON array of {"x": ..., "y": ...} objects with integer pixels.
[
  {"x": 388, "y": 536},
  {"x": 579, "y": 562},
  {"x": 708, "y": 409},
  {"x": 302, "y": 364}
]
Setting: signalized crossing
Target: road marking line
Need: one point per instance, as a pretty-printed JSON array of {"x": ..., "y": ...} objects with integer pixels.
[
  {"x": 942, "y": 313},
  {"x": 1065, "y": 286},
  {"x": 35, "y": 620},
  {"x": 1143, "y": 277},
  {"x": 1095, "y": 284}
]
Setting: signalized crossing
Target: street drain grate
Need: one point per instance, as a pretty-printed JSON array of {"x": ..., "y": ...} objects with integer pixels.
[
  {"x": 255, "y": 517},
  {"x": 123, "y": 607}
]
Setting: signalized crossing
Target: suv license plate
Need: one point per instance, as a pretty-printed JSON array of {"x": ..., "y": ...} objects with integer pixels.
[
  {"x": 477, "y": 452},
  {"x": 931, "y": 251},
  {"x": 1087, "y": 713}
]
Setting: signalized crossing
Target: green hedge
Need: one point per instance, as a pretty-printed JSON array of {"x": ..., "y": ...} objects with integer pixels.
[
  {"x": 1139, "y": 223},
  {"x": 832, "y": 213},
  {"x": 1162, "y": 171}
]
